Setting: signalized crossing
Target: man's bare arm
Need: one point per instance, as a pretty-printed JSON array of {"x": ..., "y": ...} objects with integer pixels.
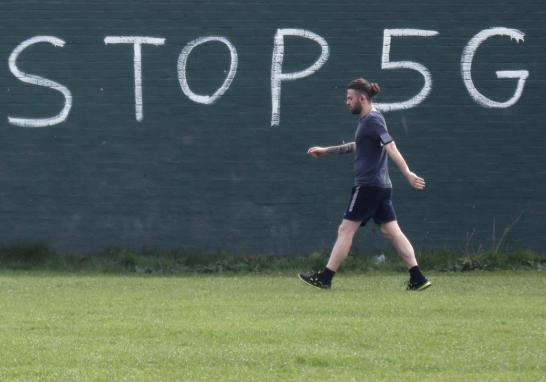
[
  {"x": 395, "y": 155},
  {"x": 346, "y": 148},
  {"x": 341, "y": 149}
]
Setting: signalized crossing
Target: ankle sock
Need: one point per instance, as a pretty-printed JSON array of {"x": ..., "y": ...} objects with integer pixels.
[
  {"x": 326, "y": 275},
  {"x": 415, "y": 274}
]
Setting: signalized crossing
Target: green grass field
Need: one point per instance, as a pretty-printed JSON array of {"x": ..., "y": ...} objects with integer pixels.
[{"x": 467, "y": 327}]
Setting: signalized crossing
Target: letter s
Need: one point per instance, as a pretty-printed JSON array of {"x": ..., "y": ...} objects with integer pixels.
[{"x": 40, "y": 81}]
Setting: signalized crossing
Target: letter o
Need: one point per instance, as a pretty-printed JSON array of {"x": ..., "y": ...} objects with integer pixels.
[{"x": 183, "y": 58}]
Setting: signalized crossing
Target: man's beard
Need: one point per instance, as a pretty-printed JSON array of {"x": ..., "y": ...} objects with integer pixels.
[{"x": 357, "y": 109}]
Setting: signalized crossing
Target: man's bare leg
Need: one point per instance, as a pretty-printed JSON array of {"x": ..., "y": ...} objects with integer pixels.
[
  {"x": 403, "y": 247},
  {"x": 345, "y": 234},
  {"x": 400, "y": 242}
]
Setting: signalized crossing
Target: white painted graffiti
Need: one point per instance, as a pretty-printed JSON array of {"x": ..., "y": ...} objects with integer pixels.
[
  {"x": 137, "y": 63},
  {"x": 40, "y": 81},
  {"x": 386, "y": 63},
  {"x": 466, "y": 67},
  {"x": 277, "y": 74},
  {"x": 182, "y": 61}
]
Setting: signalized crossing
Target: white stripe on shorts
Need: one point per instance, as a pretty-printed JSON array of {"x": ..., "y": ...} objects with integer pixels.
[{"x": 354, "y": 199}]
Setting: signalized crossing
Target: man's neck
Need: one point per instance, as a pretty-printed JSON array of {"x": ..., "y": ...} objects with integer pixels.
[{"x": 366, "y": 109}]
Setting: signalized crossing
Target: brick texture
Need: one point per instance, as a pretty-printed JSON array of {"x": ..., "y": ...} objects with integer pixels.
[{"x": 219, "y": 176}]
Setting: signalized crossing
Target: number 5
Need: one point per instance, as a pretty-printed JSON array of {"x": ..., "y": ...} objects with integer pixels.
[{"x": 387, "y": 64}]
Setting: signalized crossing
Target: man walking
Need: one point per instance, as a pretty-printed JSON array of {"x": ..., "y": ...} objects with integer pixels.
[{"x": 371, "y": 195}]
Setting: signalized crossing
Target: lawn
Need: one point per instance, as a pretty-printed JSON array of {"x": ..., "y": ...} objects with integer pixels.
[{"x": 482, "y": 326}]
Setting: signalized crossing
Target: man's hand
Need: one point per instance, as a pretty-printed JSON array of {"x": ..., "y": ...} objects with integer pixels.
[
  {"x": 317, "y": 151},
  {"x": 415, "y": 181}
]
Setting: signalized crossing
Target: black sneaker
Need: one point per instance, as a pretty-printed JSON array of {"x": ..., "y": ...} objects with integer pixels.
[
  {"x": 418, "y": 285},
  {"x": 314, "y": 280}
]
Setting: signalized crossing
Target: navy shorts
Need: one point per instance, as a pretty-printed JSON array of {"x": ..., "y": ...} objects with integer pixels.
[{"x": 370, "y": 202}]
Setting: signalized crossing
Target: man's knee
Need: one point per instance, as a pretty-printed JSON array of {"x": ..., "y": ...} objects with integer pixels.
[
  {"x": 347, "y": 229},
  {"x": 386, "y": 233},
  {"x": 391, "y": 231}
]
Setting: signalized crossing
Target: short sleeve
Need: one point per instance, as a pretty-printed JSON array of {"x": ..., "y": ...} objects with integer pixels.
[{"x": 380, "y": 130}]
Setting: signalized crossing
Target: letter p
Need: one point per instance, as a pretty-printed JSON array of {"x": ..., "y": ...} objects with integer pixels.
[{"x": 277, "y": 76}]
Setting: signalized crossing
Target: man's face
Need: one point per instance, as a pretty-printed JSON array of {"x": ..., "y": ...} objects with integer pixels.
[{"x": 353, "y": 101}]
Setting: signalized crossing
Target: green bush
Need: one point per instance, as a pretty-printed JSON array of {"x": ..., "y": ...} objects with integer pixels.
[{"x": 37, "y": 256}]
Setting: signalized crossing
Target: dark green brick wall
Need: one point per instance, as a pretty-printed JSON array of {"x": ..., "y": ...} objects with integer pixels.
[{"x": 220, "y": 176}]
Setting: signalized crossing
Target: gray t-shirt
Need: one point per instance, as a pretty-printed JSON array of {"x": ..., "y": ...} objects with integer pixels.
[{"x": 370, "y": 163}]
